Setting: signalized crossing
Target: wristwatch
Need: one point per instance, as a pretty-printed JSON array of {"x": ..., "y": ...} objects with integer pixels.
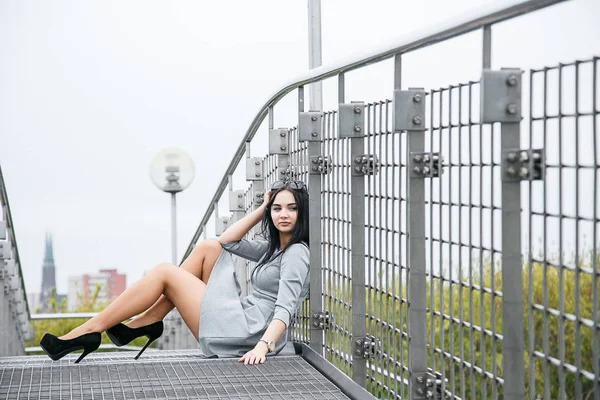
[{"x": 270, "y": 344}]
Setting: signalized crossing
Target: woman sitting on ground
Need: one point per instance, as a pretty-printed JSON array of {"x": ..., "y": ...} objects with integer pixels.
[{"x": 207, "y": 294}]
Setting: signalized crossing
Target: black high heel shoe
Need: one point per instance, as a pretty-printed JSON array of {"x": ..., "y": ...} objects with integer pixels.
[
  {"x": 57, "y": 348},
  {"x": 121, "y": 334}
]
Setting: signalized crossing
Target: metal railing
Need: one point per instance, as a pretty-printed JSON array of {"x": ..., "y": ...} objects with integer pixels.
[
  {"x": 14, "y": 310},
  {"x": 426, "y": 278}
]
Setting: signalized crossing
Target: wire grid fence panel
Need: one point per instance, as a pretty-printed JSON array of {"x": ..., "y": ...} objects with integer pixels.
[
  {"x": 463, "y": 246},
  {"x": 300, "y": 327},
  {"x": 561, "y": 213},
  {"x": 251, "y": 202},
  {"x": 385, "y": 254},
  {"x": 271, "y": 170},
  {"x": 298, "y": 157},
  {"x": 248, "y": 208},
  {"x": 336, "y": 239}
]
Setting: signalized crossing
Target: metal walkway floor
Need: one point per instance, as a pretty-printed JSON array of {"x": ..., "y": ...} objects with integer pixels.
[{"x": 161, "y": 375}]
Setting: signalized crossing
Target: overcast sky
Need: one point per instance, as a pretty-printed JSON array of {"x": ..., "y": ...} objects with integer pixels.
[{"x": 90, "y": 91}]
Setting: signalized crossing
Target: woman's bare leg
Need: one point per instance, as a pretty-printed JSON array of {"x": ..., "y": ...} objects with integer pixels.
[
  {"x": 199, "y": 263},
  {"x": 183, "y": 289}
]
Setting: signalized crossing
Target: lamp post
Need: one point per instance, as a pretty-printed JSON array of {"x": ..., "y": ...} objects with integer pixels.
[
  {"x": 314, "y": 52},
  {"x": 172, "y": 171}
]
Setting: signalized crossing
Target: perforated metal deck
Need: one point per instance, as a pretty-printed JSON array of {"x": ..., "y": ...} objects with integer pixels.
[{"x": 161, "y": 375}]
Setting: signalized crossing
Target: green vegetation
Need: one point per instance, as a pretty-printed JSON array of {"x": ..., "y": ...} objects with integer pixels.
[
  {"x": 467, "y": 305},
  {"x": 60, "y": 327}
]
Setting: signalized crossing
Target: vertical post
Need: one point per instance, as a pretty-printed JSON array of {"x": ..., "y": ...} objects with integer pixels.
[
  {"x": 258, "y": 190},
  {"x": 283, "y": 161},
  {"x": 409, "y": 116},
  {"x": 310, "y": 129},
  {"x": 237, "y": 208},
  {"x": 359, "y": 307},
  {"x": 314, "y": 51},
  {"x": 501, "y": 102},
  {"x": 316, "y": 274},
  {"x": 352, "y": 125},
  {"x": 174, "y": 228},
  {"x": 487, "y": 47},
  {"x": 512, "y": 281}
]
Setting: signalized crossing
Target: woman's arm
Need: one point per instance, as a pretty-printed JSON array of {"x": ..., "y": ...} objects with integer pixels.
[
  {"x": 293, "y": 274},
  {"x": 238, "y": 230}
]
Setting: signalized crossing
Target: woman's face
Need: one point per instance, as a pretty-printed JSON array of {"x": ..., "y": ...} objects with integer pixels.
[{"x": 284, "y": 212}]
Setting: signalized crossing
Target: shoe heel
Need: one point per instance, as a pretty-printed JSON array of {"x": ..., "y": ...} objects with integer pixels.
[
  {"x": 85, "y": 353},
  {"x": 145, "y": 347}
]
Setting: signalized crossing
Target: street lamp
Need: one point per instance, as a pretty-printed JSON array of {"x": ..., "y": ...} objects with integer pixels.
[{"x": 172, "y": 171}]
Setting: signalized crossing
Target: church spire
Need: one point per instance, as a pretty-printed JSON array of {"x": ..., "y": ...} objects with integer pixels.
[
  {"x": 49, "y": 253},
  {"x": 48, "y": 273}
]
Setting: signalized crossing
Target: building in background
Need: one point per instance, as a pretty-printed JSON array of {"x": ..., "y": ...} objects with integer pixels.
[
  {"x": 83, "y": 287},
  {"x": 39, "y": 301}
]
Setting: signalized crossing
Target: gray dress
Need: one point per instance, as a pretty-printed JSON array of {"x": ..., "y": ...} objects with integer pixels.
[{"x": 231, "y": 325}]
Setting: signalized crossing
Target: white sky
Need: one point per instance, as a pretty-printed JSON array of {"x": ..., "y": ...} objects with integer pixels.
[{"x": 90, "y": 91}]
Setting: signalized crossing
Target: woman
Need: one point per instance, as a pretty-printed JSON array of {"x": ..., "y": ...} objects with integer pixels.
[{"x": 207, "y": 294}]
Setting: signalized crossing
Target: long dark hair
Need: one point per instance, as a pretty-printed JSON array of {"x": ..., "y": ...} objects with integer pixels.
[{"x": 270, "y": 232}]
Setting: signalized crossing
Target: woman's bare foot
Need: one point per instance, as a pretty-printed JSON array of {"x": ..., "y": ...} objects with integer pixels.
[
  {"x": 141, "y": 321},
  {"x": 80, "y": 330}
]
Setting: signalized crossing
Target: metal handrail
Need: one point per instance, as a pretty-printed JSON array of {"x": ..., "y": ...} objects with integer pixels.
[
  {"x": 477, "y": 19},
  {"x": 75, "y": 315},
  {"x": 10, "y": 228}
]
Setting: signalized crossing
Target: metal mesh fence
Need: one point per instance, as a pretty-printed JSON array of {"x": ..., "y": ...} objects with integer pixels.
[
  {"x": 300, "y": 328},
  {"x": 463, "y": 246},
  {"x": 562, "y": 268},
  {"x": 463, "y": 225},
  {"x": 488, "y": 287},
  {"x": 385, "y": 254},
  {"x": 335, "y": 219},
  {"x": 465, "y": 231}
]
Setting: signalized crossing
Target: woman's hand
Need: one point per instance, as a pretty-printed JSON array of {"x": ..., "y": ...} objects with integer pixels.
[
  {"x": 267, "y": 198},
  {"x": 255, "y": 356}
]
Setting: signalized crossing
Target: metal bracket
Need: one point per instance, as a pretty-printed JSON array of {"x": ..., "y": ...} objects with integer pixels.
[
  {"x": 424, "y": 386},
  {"x": 320, "y": 165},
  {"x": 310, "y": 127},
  {"x": 321, "y": 320},
  {"x": 258, "y": 197},
  {"x": 365, "y": 347},
  {"x": 236, "y": 200},
  {"x": 409, "y": 110},
  {"x": 5, "y": 250},
  {"x": 279, "y": 141},
  {"x": 351, "y": 120},
  {"x": 9, "y": 268},
  {"x": 501, "y": 95},
  {"x": 425, "y": 165},
  {"x": 221, "y": 224},
  {"x": 365, "y": 164},
  {"x": 287, "y": 174},
  {"x": 14, "y": 282},
  {"x": 520, "y": 165},
  {"x": 254, "y": 169}
]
